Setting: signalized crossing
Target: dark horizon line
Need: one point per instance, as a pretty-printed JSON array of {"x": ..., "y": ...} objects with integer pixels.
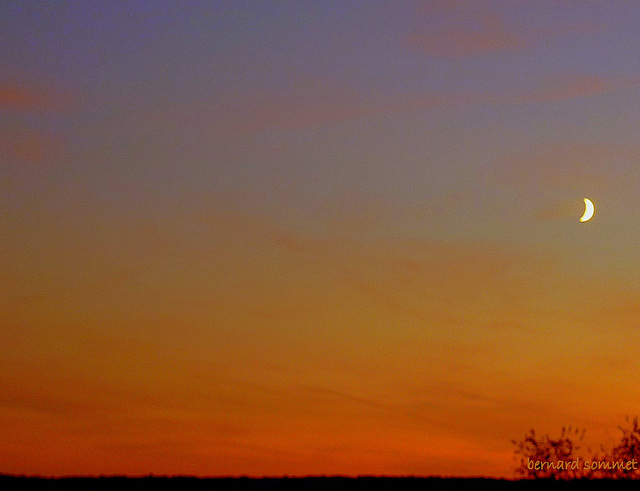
[{"x": 247, "y": 476}]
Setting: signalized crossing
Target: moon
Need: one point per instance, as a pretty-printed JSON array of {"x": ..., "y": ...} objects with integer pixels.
[{"x": 589, "y": 210}]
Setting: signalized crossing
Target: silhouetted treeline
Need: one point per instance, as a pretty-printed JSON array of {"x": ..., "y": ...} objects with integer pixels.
[
  {"x": 20, "y": 483},
  {"x": 563, "y": 458}
]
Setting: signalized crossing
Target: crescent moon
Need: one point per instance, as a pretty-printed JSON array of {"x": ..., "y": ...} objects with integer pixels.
[{"x": 589, "y": 210}]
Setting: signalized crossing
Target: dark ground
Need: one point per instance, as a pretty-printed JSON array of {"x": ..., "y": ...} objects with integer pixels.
[{"x": 15, "y": 483}]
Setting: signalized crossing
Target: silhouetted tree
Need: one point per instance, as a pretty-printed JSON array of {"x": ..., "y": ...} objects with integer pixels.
[
  {"x": 543, "y": 457},
  {"x": 628, "y": 450}
]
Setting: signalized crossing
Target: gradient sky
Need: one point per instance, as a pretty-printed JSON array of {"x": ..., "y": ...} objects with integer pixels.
[{"x": 330, "y": 237}]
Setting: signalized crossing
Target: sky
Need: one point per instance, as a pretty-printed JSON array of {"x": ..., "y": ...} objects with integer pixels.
[{"x": 303, "y": 238}]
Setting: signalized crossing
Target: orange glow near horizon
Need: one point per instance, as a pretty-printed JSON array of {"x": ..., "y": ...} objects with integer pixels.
[{"x": 233, "y": 373}]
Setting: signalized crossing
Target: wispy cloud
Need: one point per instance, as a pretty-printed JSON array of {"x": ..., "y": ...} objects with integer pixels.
[
  {"x": 288, "y": 241},
  {"x": 301, "y": 111},
  {"x": 570, "y": 165},
  {"x": 18, "y": 98},
  {"x": 558, "y": 88},
  {"x": 463, "y": 29},
  {"x": 490, "y": 35},
  {"x": 559, "y": 210},
  {"x": 24, "y": 97},
  {"x": 27, "y": 143},
  {"x": 295, "y": 112}
]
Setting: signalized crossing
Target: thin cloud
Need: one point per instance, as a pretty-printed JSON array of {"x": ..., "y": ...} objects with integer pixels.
[
  {"x": 411, "y": 411},
  {"x": 555, "y": 89},
  {"x": 250, "y": 115},
  {"x": 257, "y": 227},
  {"x": 558, "y": 211},
  {"x": 437, "y": 285},
  {"x": 451, "y": 7},
  {"x": 27, "y": 98},
  {"x": 28, "y": 145},
  {"x": 303, "y": 108},
  {"x": 472, "y": 28},
  {"x": 461, "y": 41},
  {"x": 332, "y": 393},
  {"x": 568, "y": 166},
  {"x": 21, "y": 99},
  {"x": 288, "y": 241}
]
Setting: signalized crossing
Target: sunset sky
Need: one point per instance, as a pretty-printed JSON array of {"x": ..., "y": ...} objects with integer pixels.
[{"x": 315, "y": 237}]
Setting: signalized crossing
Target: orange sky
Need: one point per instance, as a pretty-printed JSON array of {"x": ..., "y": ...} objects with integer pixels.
[
  {"x": 258, "y": 240},
  {"x": 133, "y": 350}
]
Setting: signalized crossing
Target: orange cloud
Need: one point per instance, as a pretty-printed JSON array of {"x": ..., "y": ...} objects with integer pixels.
[
  {"x": 252, "y": 115},
  {"x": 451, "y": 7},
  {"x": 463, "y": 41},
  {"x": 560, "y": 210},
  {"x": 555, "y": 89},
  {"x": 28, "y": 145},
  {"x": 572, "y": 165},
  {"x": 472, "y": 28},
  {"x": 24, "y": 98},
  {"x": 288, "y": 241}
]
